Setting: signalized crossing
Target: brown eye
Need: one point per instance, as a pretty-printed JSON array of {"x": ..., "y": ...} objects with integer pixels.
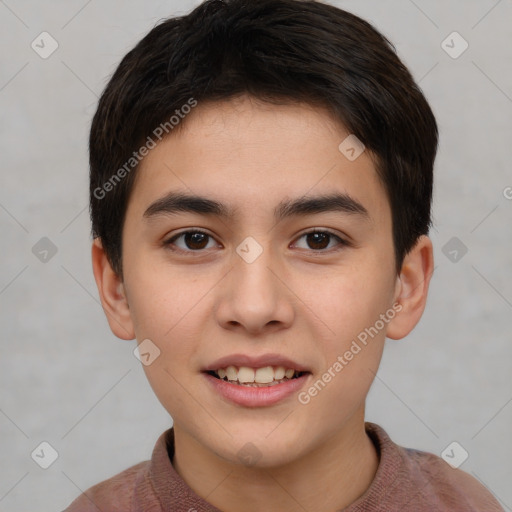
[
  {"x": 196, "y": 240},
  {"x": 318, "y": 240},
  {"x": 190, "y": 241},
  {"x": 321, "y": 240}
]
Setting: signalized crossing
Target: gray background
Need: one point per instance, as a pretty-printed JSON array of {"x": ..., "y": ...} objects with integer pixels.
[{"x": 65, "y": 378}]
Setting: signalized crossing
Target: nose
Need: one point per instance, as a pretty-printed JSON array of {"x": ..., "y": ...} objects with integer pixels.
[{"x": 254, "y": 296}]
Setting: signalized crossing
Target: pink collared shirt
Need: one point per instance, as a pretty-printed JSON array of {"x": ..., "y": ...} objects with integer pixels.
[{"x": 406, "y": 480}]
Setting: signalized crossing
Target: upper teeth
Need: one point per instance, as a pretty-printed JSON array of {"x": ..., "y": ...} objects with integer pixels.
[{"x": 263, "y": 375}]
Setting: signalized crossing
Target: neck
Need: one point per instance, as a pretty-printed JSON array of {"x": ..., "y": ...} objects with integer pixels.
[{"x": 330, "y": 477}]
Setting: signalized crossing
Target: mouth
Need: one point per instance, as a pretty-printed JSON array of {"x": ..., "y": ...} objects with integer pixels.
[
  {"x": 265, "y": 376},
  {"x": 256, "y": 381}
]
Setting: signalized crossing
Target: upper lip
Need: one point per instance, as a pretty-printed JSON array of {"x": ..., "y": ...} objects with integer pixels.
[{"x": 255, "y": 362}]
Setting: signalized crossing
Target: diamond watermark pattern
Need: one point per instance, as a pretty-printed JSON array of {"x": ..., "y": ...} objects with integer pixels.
[
  {"x": 146, "y": 352},
  {"x": 454, "y": 45},
  {"x": 454, "y": 454},
  {"x": 44, "y": 45},
  {"x": 44, "y": 455},
  {"x": 454, "y": 249},
  {"x": 249, "y": 250},
  {"x": 249, "y": 454},
  {"x": 352, "y": 147},
  {"x": 44, "y": 250}
]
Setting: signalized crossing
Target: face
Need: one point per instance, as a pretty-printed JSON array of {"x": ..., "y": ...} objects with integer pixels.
[{"x": 285, "y": 263}]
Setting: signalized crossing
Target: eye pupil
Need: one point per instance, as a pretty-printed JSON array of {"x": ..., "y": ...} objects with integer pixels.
[
  {"x": 318, "y": 238},
  {"x": 194, "y": 239}
]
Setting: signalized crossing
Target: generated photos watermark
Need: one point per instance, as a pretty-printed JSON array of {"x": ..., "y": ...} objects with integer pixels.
[
  {"x": 137, "y": 156},
  {"x": 357, "y": 345}
]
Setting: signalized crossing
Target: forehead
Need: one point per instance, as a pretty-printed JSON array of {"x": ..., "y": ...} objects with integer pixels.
[{"x": 253, "y": 158}]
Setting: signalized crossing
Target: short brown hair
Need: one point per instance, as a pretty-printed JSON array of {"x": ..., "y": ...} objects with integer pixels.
[{"x": 275, "y": 50}]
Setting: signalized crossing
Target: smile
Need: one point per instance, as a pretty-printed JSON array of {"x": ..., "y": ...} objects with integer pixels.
[
  {"x": 255, "y": 394},
  {"x": 256, "y": 377}
]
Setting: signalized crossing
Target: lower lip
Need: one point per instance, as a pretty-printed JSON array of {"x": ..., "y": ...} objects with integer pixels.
[{"x": 248, "y": 396}]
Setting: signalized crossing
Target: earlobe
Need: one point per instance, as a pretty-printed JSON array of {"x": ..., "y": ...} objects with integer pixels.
[
  {"x": 112, "y": 293},
  {"x": 412, "y": 288}
]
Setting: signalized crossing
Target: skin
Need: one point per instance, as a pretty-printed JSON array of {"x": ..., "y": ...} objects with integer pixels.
[{"x": 305, "y": 301}]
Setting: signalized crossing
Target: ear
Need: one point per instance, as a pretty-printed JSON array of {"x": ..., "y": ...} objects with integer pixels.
[
  {"x": 112, "y": 293},
  {"x": 412, "y": 288}
]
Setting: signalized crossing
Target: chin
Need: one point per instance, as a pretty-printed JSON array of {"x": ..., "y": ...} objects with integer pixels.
[{"x": 262, "y": 447}]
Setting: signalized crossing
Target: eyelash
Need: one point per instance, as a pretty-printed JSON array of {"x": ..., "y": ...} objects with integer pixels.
[{"x": 170, "y": 242}]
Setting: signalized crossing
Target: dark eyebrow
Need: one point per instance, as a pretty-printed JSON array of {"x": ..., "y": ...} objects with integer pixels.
[
  {"x": 337, "y": 202},
  {"x": 175, "y": 202}
]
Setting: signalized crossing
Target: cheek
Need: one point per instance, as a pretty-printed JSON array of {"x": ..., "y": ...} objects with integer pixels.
[
  {"x": 352, "y": 345},
  {"x": 346, "y": 301},
  {"x": 163, "y": 300},
  {"x": 166, "y": 386},
  {"x": 170, "y": 309},
  {"x": 350, "y": 305}
]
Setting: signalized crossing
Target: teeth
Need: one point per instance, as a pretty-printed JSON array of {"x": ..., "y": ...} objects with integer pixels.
[
  {"x": 246, "y": 375},
  {"x": 289, "y": 373},
  {"x": 263, "y": 375},
  {"x": 279, "y": 372},
  {"x": 231, "y": 373}
]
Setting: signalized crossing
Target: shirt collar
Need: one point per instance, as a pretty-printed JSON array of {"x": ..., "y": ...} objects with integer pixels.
[{"x": 175, "y": 495}]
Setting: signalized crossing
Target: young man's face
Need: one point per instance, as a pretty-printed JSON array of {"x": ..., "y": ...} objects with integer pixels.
[{"x": 255, "y": 289}]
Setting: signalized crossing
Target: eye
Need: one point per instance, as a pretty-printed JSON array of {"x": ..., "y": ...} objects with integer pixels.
[
  {"x": 197, "y": 240},
  {"x": 320, "y": 240},
  {"x": 192, "y": 241}
]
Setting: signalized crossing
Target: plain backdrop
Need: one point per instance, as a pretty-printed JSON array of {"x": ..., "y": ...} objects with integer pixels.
[{"x": 65, "y": 379}]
